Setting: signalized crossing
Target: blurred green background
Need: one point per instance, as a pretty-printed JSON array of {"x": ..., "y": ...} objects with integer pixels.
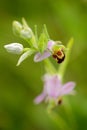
[{"x": 20, "y": 85}]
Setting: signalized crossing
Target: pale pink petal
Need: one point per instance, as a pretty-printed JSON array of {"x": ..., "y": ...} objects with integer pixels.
[
  {"x": 53, "y": 86},
  {"x": 50, "y": 45},
  {"x": 39, "y": 98},
  {"x": 39, "y": 57},
  {"x": 68, "y": 88}
]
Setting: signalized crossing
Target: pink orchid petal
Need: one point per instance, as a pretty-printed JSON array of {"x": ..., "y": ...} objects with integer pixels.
[
  {"x": 53, "y": 86},
  {"x": 39, "y": 57},
  {"x": 50, "y": 44},
  {"x": 68, "y": 88},
  {"x": 39, "y": 98}
]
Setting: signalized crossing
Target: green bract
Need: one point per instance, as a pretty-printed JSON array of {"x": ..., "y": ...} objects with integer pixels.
[
  {"x": 43, "y": 40},
  {"x": 25, "y": 55}
]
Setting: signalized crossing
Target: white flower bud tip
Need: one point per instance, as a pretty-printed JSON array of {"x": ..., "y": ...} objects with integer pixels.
[
  {"x": 15, "y": 48},
  {"x": 26, "y": 33},
  {"x": 17, "y": 25}
]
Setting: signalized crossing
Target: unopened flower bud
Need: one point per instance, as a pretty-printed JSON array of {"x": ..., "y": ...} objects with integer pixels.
[
  {"x": 25, "y": 33},
  {"x": 17, "y": 27},
  {"x": 15, "y": 48},
  {"x": 21, "y": 30}
]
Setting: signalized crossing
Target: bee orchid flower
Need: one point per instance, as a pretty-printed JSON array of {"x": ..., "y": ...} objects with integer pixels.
[
  {"x": 54, "y": 49},
  {"x": 54, "y": 89}
]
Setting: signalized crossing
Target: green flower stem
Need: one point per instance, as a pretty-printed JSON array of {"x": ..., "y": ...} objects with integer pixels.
[
  {"x": 28, "y": 41},
  {"x": 28, "y": 49},
  {"x": 62, "y": 67},
  {"x": 49, "y": 67},
  {"x": 58, "y": 120},
  {"x": 32, "y": 42}
]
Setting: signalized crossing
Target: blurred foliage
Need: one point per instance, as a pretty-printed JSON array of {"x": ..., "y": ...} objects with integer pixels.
[{"x": 20, "y": 85}]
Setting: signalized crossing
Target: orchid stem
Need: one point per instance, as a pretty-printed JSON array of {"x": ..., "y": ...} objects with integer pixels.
[
  {"x": 62, "y": 125},
  {"x": 49, "y": 67}
]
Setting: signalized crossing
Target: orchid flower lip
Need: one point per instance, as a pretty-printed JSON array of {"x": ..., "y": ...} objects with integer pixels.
[
  {"x": 59, "y": 101},
  {"x": 59, "y": 56}
]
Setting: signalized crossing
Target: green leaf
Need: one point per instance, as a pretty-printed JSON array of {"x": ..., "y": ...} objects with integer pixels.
[
  {"x": 43, "y": 40},
  {"x": 25, "y": 55}
]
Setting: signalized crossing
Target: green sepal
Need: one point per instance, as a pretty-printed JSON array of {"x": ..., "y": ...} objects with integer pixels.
[
  {"x": 43, "y": 40},
  {"x": 46, "y": 32},
  {"x": 25, "y": 23},
  {"x": 36, "y": 34}
]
